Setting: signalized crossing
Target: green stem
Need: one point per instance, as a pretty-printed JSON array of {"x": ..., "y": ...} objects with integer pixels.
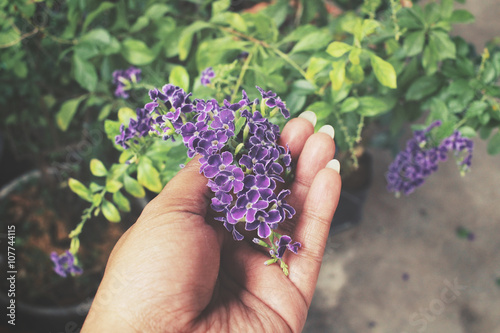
[
  {"x": 284, "y": 56},
  {"x": 244, "y": 69}
]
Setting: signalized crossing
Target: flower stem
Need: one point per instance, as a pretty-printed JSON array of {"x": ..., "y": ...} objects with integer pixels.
[{"x": 242, "y": 74}]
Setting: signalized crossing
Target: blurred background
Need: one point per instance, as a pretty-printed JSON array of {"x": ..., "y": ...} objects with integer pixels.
[{"x": 429, "y": 262}]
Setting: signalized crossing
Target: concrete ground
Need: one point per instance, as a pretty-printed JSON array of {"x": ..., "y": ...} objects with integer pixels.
[{"x": 404, "y": 269}]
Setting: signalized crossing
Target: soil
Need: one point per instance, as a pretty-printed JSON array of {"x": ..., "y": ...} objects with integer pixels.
[{"x": 43, "y": 216}]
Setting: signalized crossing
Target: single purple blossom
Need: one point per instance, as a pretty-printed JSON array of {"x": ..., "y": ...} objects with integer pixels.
[
  {"x": 123, "y": 78},
  {"x": 247, "y": 205},
  {"x": 64, "y": 264},
  {"x": 216, "y": 163},
  {"x": 285, "y": 210},
  {"x": 230, "y": 178},
  {"x": 285, "y": 242},
  {"x": 207, "y": 75},
  {"x": 264, "y": 222}
]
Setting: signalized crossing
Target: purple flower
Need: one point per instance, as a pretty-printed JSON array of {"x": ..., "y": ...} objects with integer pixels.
[
  {"x": 224, "y": 121},
  {"x": 255, "y": 155},
  {"x": 216, "y": 163},
  {"x": 264, "y": 222},
  {"x": 413, "y": 165},
  {"x": 207, "y": 75},
  {"x": 137, "y": 128},
  {"x": 65, "y": 264},
  {"x": 221, "y": 201},
  {"x": 248, "y": 205},
  {"x": 123, "y": 78},
  {"x": 230, "y": 178},
  {"x": 285, "y": 210},
  {"x": 190, "y": 131},
  {"x": 265, "y": 94},
  {"x": 285, "y": 242}
]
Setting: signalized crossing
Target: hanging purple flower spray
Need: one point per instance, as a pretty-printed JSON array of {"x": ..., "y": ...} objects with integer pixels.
[
  {"x": 420, "y": 159},
  {"x": 240, "y": 157}
]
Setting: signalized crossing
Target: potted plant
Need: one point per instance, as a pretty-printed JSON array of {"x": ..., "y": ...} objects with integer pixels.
[{"x": 373, "y": 69}]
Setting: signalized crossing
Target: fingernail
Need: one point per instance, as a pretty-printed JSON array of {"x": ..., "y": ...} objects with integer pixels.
[
  {"x": 309, "y": 116},
  {"x": 327, "y": 129},
  {"x": 334, "y": 164}
]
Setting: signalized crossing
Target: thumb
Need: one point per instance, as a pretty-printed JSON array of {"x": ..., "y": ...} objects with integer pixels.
[{"x": 187, "y": 192}]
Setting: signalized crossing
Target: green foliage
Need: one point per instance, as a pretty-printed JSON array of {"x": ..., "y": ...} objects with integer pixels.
[{"x": 376, "y": 62}]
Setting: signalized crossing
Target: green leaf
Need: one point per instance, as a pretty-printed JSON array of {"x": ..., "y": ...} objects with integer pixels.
[
  {"x": 439, "y": 110},
  {"x": 220, "y": 6},
  {"x": 430, "y": 58},
  {"x": 105, "y": 111},
  {"x": 109, "y": 211},
  {"x": 316, "y": 65},
  {"x": 157, "y": 11},
  {"x": 239, "y": 125},
  {"x": 67, "y": 112},
  {"x": 303, "y": 87},
  {"x": 338, "y": 49},
  {"x": 140, "y": 24},
  {"x": 461, "y": 16},
  {"x": 423, "y": 87},
  {"x": 354, "y": 55},
  {"x": 186, "y": 38},
  {"x": 81, "y": 190},
  {"x": 494, "y": 144},
  {"x": 97, "y": 168},
  {"x": 384, "y": 71},
  {"x": 113, "y": 185},
  {"x": 84, "y": 73},
  {"x": 104, "y": 6},
  {"x": 125, "y": 114},
  {"x": 179, "y": 77},
  {"x": 148, "y": 176},
  {"x": 234, "y": 20},
  {"x": 373, "y": 106},
  {"x": 467, "y": 131},
  {"x": 133, "y": 187},
  {"x": 446, "y": 8},
  {"x": 349, "y": 104},
  {"x": 121, "y": 201},
  {"x": 414, "y": 43},
  {"x": 369, "y": 26},
  {"x": 112, "y": 129},
  {"x": 137, "y": 52},
  {"x": 314, "y": 41},
  {"x": 337, "y": 75},
  {"x": 475, "y": 109},
  {"x": 355, "y": 73},
  {"x": 444, "y": 45}
]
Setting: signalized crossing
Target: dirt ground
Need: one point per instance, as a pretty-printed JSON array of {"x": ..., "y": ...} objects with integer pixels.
[{"x": 404, "y": 269}]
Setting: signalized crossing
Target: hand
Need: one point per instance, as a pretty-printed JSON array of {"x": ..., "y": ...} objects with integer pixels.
[{"x": 178, "y": 270}]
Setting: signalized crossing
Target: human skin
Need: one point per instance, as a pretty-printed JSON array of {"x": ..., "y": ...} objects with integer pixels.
[{"x": 178, "y": 270}]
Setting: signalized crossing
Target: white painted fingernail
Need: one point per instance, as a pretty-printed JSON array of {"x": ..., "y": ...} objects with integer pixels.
[
  {"x": 334, "y": 164},
  {"x": 309, "y": 116},
  {"x": 327, "y": 129}
]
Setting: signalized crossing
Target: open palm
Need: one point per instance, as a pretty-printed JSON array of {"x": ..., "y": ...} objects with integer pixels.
[{"x": 178, "y": 270}]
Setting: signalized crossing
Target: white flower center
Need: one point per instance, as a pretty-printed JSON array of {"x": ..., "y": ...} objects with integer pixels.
[{"x": 249, "y": 205}]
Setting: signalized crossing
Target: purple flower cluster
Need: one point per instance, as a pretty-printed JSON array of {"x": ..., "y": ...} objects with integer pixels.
[
  {"x": 122, "y": 79},
  {"x": 65, "y": 264},
  {"x": 420, "y": 159},
  {"x": 207, "y": 75},
  {"x": 239, "y": 154}
]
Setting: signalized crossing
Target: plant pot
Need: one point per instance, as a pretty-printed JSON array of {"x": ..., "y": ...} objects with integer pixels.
[
  {"x": 52, "y": 313},
  {"x": 353, "y": 196}
]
